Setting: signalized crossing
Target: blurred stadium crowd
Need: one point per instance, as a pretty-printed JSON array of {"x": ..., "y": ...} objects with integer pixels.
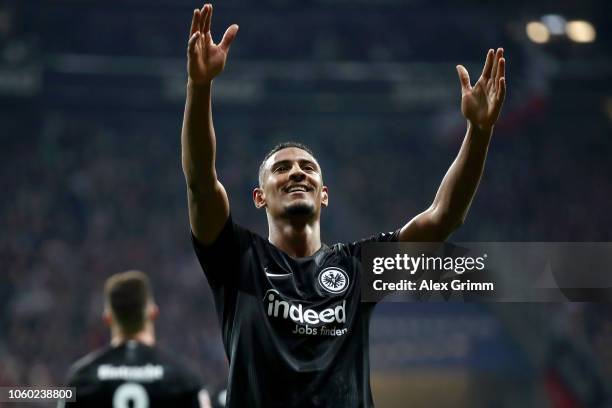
[{"x": 91, "y": 97}]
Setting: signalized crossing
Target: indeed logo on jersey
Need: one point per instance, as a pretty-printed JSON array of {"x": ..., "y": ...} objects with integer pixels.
[{"x": 276, "y": 307}]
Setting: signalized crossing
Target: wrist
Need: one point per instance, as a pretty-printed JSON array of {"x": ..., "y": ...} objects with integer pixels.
[
  {"x": 481, "y": 129},
  {"x": 199, "y": 85}
]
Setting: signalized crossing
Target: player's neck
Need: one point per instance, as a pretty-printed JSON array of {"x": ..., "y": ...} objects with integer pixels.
[
  {"x": 145, "y": 336},
  {"x": 296, "y": 239}
]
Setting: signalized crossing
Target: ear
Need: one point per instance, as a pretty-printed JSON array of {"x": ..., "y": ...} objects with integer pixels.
[
  {"x": 324, "y": 197},
  {"x": 153, "y": 312},
  {"x": 107, "y": 317},
  {"x": 259, "y": 198}
]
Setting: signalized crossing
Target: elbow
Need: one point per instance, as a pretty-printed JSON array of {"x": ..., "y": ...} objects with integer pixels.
[
  {"x": 192, "y": 183},
  {"x": 203, "y": 189},
  {"x": 446, "y": 229},
  {"x": 198, "y": 189},
  {"x": 456, "y": 222},
  {"x": 446, "y": 222},
  {"x": 456, "y": 225},
  {"x": 201, "y": 182}
]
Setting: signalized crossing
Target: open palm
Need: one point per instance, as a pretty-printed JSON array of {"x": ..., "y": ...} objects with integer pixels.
[
  {"x": 482, "y": 103},
  {"x": 205, "y": 58}
]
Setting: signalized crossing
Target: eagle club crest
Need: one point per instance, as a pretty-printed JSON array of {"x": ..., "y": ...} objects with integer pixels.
[{"x": 333, "y": 279}]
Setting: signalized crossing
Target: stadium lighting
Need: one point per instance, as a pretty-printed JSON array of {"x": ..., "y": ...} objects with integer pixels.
[
  {"x": 537, "y": 32},
  {"x": 581, "y": 31},
  {"x": 555, "y": 23}
]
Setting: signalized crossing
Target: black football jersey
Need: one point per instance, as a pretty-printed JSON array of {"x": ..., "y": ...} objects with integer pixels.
[
  {"x": 132, "y": 375},
  {"x": 294, "y": 329}
]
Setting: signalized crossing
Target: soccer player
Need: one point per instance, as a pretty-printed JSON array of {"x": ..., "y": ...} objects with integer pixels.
[
  {"x": 294, "y": 328},
  {"x": 132, "y": 372}
]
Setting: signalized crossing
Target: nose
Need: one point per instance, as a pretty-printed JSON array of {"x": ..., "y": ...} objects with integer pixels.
[{"x": 296, "y": 173}]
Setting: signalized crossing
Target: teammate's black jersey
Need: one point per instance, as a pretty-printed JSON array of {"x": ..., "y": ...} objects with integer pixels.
[
  {"x": 295, "y": 330},
  {"x": 132, "y": 375}
]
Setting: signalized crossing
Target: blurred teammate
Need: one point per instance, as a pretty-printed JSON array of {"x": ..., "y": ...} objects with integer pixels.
[
  {"x": 294, "y": 328},
  {"x": 132, "y": 372}
]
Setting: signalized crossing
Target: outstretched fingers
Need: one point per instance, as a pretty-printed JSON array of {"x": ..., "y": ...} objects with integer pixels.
[
  {"x": 501, "y": 70},
  {"x": 195, "y": 23},
  {"x": 228, "y": 37},
  {"x": 486, "y": 71},
  {"x": 501, "y": 91},
  {"x": 208, "y": 10},
  {"x": 464, "y": 78},
  {"x": 500, "y": 80},
  {"x": 498, "y": 55},
  {"x": 201, "y": 19}
]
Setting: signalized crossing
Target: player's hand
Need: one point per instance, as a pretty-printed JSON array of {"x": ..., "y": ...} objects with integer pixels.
[
  {"x": 482, "y": 103},
  {"x": 205, "y": 59}
]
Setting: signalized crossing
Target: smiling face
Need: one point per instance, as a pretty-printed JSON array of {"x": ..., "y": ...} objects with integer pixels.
[{"x": 291, "y": 185}]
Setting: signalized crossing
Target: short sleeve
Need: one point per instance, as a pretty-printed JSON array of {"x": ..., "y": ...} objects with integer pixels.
[
  {"x": 220, "y": 259},
  {"x": 355, "y": 247}
]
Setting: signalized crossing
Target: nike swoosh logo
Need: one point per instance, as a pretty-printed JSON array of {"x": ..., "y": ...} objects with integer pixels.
[{"x": 275, "y": 275}]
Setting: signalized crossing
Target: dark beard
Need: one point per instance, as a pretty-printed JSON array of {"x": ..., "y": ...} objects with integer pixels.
[{"x": 299, "y": 210}]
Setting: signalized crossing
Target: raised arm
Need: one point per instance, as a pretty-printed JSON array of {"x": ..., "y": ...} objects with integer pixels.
[
  {"x": 480, "y": 105},
  {"x": 208, "y": 203}
]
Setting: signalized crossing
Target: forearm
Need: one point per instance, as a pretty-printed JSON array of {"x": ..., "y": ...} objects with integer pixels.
[
  {"x": 198, "y": 143},
  {"x": 459, "y": 185},
  {"x": 481, "y": 106}
]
